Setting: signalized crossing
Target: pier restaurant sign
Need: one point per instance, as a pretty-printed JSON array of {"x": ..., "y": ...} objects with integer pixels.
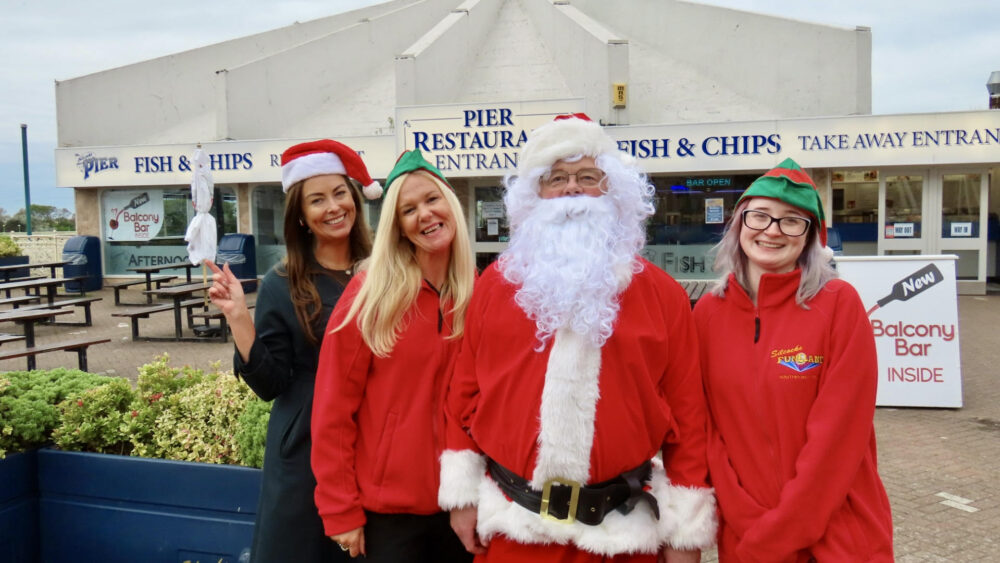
[
  {"x": 485, "y": 139},
  {"x": 475, "y": 139}
]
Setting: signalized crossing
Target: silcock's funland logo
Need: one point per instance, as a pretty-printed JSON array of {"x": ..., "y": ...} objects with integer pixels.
[
  {"x": 90, "y": 164},
  {"x": 797, "y": 360}
]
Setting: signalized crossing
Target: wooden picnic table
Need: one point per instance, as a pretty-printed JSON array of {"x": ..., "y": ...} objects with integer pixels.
[
  {"x": 179, "y": 294},
  {"x": 49, "y": 284},
  {"x": 28, "y": 319},
  {"x": 148, "y": 271},
  {"x": 8, "y": 270}
]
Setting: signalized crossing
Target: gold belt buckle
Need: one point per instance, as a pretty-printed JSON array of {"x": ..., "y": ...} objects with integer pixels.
[{"x": 574, "y": 498}]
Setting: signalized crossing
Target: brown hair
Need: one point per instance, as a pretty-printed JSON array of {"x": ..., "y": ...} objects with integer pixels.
[{"x": 299, "y": 259}]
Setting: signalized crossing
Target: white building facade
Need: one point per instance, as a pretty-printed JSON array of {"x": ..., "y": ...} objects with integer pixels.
[{"x": 706, "y": 98}]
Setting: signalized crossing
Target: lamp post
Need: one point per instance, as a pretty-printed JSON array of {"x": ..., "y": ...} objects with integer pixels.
[
  {"x": 27, "y": 186},
  {"x": 993, "y": 86}
]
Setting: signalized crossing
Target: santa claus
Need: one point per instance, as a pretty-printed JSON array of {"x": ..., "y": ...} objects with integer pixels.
[{"x": 578, "y": 367}]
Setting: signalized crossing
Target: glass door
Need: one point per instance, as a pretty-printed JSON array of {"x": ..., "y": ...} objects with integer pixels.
[
  {"x": 903, "y": 217},
  {"x": 488, "y": 221},
  {"x": 963, "y": 227}
]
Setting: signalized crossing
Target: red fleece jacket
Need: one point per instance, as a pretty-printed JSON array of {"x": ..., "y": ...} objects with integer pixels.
[
  {"x": 791, "y": 397},
  {"x": 377, "y": 422}
]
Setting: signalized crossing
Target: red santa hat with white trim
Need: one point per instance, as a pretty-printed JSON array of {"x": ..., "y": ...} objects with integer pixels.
[
  {"x": 566, "y": 136},
  {"x": 316, "y": 158}
]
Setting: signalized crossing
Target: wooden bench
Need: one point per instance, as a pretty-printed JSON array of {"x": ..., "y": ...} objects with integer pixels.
[
  {"x": 144, "y": 312},
  {"x": 78, "y": 346},
  {"x": 20, "y": 300},
  {"x": 4, "y": 338},
  {"x": 214, "y": 314},
  {"x": 27, "y": 290},
  {"x": 84, "y": 302},
  {"x": 125, "y": 284}
]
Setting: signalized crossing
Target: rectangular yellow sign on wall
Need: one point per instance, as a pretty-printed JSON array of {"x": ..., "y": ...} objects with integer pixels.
[{"x": 619, "y": 94}]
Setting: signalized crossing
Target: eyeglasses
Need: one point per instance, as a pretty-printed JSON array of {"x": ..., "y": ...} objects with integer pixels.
[
  {"x": 585, "y": 178},
  {"x": 790, "y": 226}
]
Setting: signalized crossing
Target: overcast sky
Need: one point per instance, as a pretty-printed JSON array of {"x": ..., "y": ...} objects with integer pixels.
[{"x": 927, "y": 55}]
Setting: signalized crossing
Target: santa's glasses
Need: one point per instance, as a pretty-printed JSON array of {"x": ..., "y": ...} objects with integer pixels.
[
  {"x": 586, "y": 178},
  {"x": 790, "y": 226}
]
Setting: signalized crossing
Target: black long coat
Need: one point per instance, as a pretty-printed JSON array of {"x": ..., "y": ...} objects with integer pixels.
[{"x": 282, "y": 367}]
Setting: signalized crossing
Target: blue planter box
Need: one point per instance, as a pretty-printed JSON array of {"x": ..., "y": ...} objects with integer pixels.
[
  {"x": 19, "y": 508},
  {"x": 99, "y": 507}
]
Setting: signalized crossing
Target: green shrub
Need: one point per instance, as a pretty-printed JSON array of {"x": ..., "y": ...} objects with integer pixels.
[
  {"x": 29, "y": 404},
  {"x": 202, "y": 424},
  {"x": 8, "y": 247},
  {"x": 174, "y": 413},
  {"x": 159, "y": 377},
  {"x": 252, "y": 432},
  {"x": 97, "y": 420},
  {"x": 156, "y": 388}
]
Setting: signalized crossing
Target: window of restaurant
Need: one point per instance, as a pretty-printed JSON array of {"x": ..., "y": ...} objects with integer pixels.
[
  {"x": 855, "y": 211},
  {"x": 268, "y": 218},
  {"x": 146, "y": 226},
  {"x": 267, "y": 215},
  {"x": 690, "y": 217}
]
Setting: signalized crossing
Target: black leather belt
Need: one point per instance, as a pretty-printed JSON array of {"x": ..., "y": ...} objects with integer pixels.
[{"x": 567, "y": 501}]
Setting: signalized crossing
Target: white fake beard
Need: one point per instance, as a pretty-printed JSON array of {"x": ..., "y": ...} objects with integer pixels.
[{"x": 571, "y": 258}]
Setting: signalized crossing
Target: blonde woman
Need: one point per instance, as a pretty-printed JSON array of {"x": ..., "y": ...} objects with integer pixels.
[{"x": 383, "y": 368}]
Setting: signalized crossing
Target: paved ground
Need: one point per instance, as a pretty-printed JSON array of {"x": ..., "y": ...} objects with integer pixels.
[{"x": 923, "y": 453}]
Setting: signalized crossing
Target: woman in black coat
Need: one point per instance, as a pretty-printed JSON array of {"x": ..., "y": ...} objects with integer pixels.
[{"x": 276, "y": 352}]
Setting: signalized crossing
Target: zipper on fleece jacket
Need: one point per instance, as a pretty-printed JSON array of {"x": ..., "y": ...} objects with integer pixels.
[
  {"x": 756, "y": 326},
  {"x": 440, "y": 314}
]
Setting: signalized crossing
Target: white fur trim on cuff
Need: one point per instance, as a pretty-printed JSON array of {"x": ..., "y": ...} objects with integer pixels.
[
  {"x": 687, "y": 514},
  {"x": 461, "y": 473}
]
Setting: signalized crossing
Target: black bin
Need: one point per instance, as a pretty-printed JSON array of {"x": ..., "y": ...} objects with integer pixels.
[
  {"x": 240, "y": 253},
  {"x": 84, "y": 256}
]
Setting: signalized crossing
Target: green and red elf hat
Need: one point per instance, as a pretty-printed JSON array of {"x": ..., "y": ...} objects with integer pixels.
[
  {"x": 787, "y": 182},
  {"x": 411, "y": 161}
]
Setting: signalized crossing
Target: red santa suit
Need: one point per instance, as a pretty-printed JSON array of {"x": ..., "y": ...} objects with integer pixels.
[
  {"x": 575, "y": 411},
  {"x": 791, "y": 393}
]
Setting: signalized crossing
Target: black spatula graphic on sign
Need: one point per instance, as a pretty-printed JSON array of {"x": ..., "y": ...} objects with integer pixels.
[{"x": 913, "y": 284}]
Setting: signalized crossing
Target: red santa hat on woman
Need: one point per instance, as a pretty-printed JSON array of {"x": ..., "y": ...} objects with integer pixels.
[{"x": 316, "y": 158}]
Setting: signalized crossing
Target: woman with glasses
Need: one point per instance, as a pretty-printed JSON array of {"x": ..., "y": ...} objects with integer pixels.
[{"x": 789, "y": 367}]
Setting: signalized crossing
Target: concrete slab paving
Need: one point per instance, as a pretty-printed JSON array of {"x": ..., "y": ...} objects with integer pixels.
[{"x": 924, "y": 454}]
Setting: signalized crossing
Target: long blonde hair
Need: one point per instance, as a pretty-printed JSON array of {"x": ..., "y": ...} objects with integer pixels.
[{"x": 393, "y": 278}]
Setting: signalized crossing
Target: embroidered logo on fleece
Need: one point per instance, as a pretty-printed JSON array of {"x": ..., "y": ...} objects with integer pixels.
[{"x": 796, "y": 359}]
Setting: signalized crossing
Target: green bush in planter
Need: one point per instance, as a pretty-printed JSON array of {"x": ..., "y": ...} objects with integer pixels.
[
  {"x": 97, "y": 420},
  {"x": 252, "y": 432},
  {"x": 28, "y": 404},
  {"x": 8, "y": 247},
  {"x": 203, "y": 422},
  {"x": 156, "y": 389},
  {"x": 173, "y": 413}
]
